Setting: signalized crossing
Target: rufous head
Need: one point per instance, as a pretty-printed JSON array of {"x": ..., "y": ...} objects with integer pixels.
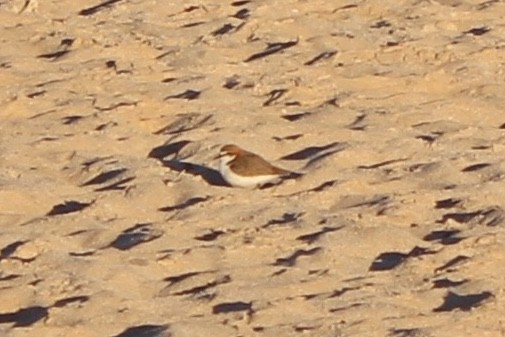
[{"x": 230, "y": 150}]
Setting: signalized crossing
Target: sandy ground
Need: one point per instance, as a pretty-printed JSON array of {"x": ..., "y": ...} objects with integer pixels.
[{"x": 114, "y": 222}]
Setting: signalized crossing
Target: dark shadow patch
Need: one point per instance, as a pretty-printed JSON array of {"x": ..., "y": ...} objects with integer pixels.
[
  {"x": 47, "y": 139},
  {"x": 291, "y": 137},
  {"x": 274, "y": 96},
  {"x": 168, "y": 79},
  {"x": 231, "y": 82},
  {"x": 11, "y": 248},
  {"x": 193, "y": 24},
  {"x": 272, "y": 48},
  {"x": 305, "y": 328},
  {"x": 309, "y": 297},
  {"x": 242, "y": 14},
  {"x": 321, "y": 156},
  {"x": 354, "y": 305},
  {"x": 415, "y": 332},
  {"x": 285, "y": 219},
  {"x": 191, "y": 8},
  {"x": 290, "y": 260},
  {"x": 112, "y": 64},
  {"x": 392, "y": 43},
  {"x": 25, "y": 317},
  {"x": 67, "y": 42},
  {"x": 313, "y": 237},
  {"x": 373, "y": 201},
  {"x": 296, "y": 116},
  {"x": 131, "y": 237},
  {"x": 240, "y": 3},
  {"x": 77, "y": 232},
  {"x": 451, "y": 263},
  {"x": 104, "y": 177},
  {"x": 491, "y": 216},
  {"x": 359, "y": 123},
  {"x": 324, "y": 186},
  {"x": 430, "y": 138},
  {"x": 323, "y": 56},
  {"x": 54, "y": 56},
  {"x": 9, "y": 277},
  {"x": 95, "y": 9},
  {"x": 475, "y": 167},
  {"x": 390, "y": 260},
  {"x": 211, "y": 176},
  {"x": 446, "y": 283},
  {"x": 447, "y": 203},
  {"x": 340, "y": 292},
  {"x": 185, "y": 204},
  {"x": 69, "y": 207},
  {"x": 381, "y": 164},
  {"x": 187, "y": 95},
  {"x": 104, "y": 126},
  {"x": 422, "y": 167},
  {"x": 147, "y": 330},
  {"x": 115, "y": 106},
  {"x": 481, "y": 147},
  {"x": 380, "y": 24},
  {"x": 486, "y": 4},
  {"x": 420, "y": 251},
  {"x": 163, "y": 151},
  {"x": 82, "y": 254},
  {"x": 332, "y": 101},
  {"x": 67, "y": 120},
  {"x": 179, "y": 278},
  {"x": 211, "y": 236},
  {"x": 117, "y": 186},
  {"x": 70, "y": 300},
  {"x": 318, "y": 272},
  {"x": 200, "y": 289},
  {"x": 279, "y": 272},
  {"x": 37, "y": 94},
  {"x": 224, "y": 308},
  {"x": 445, "y": 237},
  {"x": 454, "y": 301},
  {"x": 93, "y": 161},
  {"x": 460, "y": 217},
  {"x": 309, "y": 152},
  {"x": 227, "y": 28},
  {"x": 292, "y": 175},
  {"x": 477, "y": 31},
  {"x": 184, "y": 122}
]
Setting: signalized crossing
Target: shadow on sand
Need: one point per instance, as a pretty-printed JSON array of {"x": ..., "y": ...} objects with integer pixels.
[{"x": 211, "y": 176}]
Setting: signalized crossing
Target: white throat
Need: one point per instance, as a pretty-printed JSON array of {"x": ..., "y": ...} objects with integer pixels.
[{"x": 223, "y": 162}]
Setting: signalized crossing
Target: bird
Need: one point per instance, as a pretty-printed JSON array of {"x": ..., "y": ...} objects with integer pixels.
[{"x": 241, "y": 168}]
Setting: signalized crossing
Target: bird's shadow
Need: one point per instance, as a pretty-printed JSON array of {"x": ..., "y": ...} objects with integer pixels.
[{"x": 211, "y": 176}]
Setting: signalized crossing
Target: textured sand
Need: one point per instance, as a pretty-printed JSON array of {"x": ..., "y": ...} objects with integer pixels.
[{"x": 114, "y": 222}]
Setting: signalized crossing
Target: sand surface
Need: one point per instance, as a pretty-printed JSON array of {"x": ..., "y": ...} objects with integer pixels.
[{"x": 115, "y": 222}]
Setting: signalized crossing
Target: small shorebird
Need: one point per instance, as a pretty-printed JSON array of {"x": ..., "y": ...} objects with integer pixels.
[{"x": 245, "y": 169}]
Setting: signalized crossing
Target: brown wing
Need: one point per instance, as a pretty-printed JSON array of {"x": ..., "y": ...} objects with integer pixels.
[{"x": 251, "y": 164}]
